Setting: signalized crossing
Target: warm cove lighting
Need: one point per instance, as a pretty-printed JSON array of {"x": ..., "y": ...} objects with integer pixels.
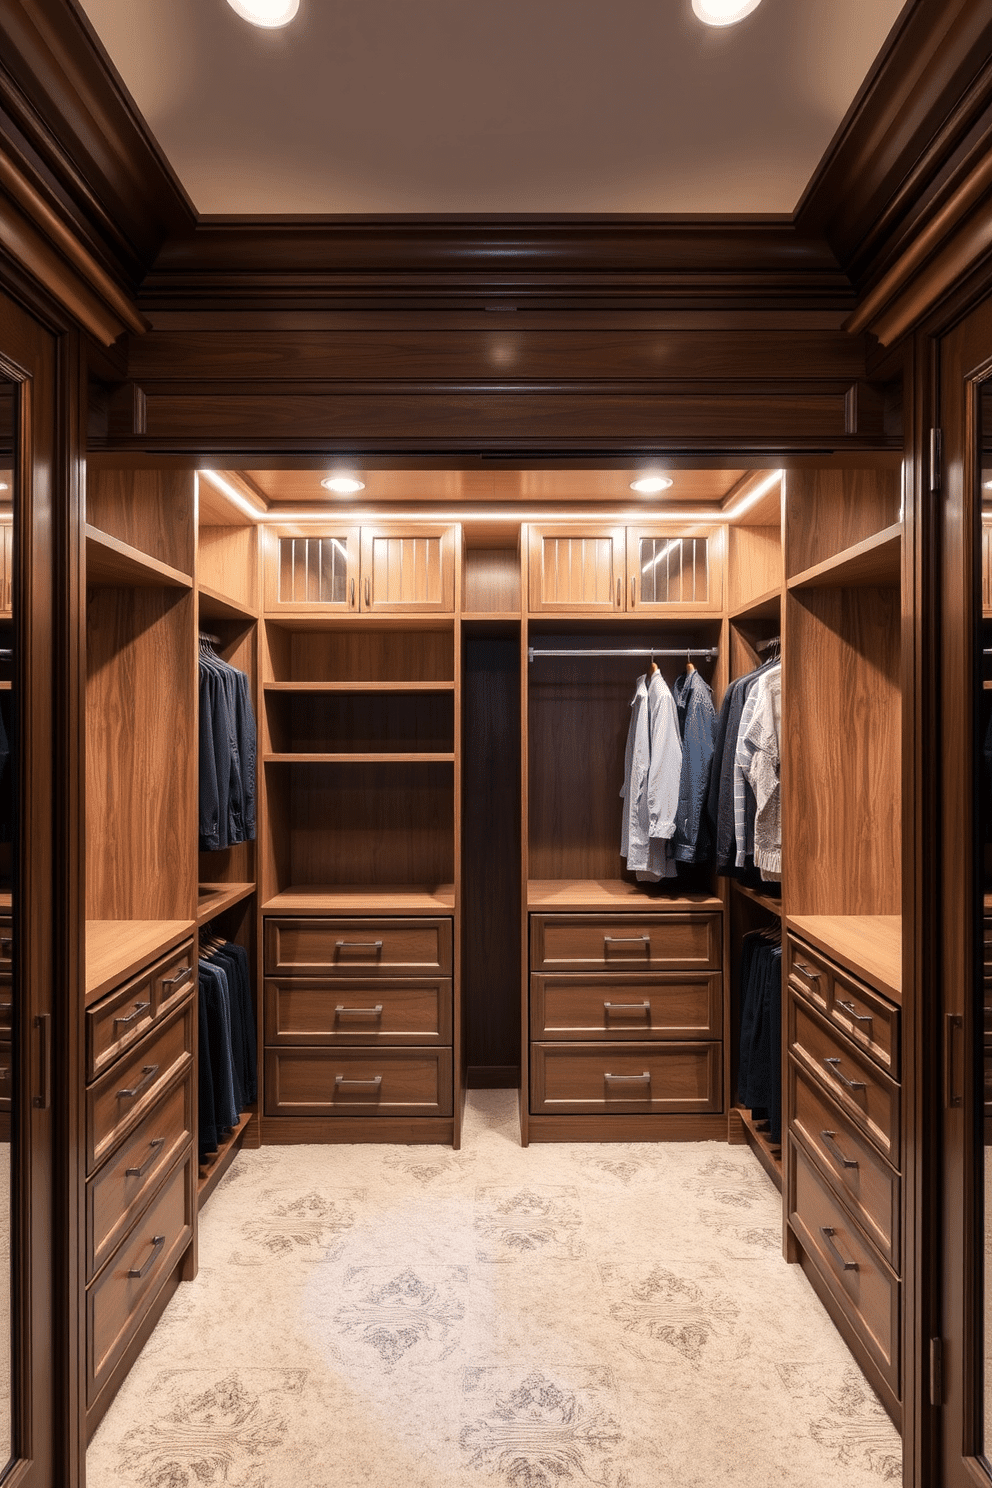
[
  {"x": 649, "y": 484},
  {"x": 269, "y": 13},
  {"x": 721, "y": 12},
  {"x": 345, "y": 485}
]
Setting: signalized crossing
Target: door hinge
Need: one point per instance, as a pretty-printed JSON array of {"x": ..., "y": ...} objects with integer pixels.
[
  {"x": 936, "y": 1371},
  {"x": 935, "y": 455}
]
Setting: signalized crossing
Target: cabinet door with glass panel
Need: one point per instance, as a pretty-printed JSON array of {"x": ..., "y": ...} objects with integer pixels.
[
  {"x": 352, "y": 570},
  {"x": 671, "y": 569}
]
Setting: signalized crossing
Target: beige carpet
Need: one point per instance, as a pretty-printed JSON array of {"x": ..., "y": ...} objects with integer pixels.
[{"x": 407, "y": 1317}]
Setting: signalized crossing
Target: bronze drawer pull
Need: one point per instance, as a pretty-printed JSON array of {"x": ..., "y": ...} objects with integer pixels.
[
  {"x": 148, "y": 1074},
  {"x": 5, "y": 1073},
  {"x": 851, "y": 1084},
  {"x": 852, "y": 1010},
  {"x": 829, "y": 1136},
  {"x": 137, "y": 1272},
  {"x": 347, "y": 1012},
  {"x": 154, "y": 1144},
  {"x": 807, "y": 971},
  {"x": 139, "y": 1008},
  {"x": 639, "y": 1078},
  {"x": 644, "y": 940},
  {"x": 358, "y": 945},
  {"x": 627, "y": 1007},
  {"x": 179, "y": 979},
  {"x": 828, "y": 1233},
  {"x": 375, "y": 1081}
]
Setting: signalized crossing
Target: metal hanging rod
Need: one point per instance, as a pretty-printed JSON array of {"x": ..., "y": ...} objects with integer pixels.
[
  {"x": 211, "y": 640},
  {"x": 767, "y": 645},
  {"x": 708, "y": 653}
]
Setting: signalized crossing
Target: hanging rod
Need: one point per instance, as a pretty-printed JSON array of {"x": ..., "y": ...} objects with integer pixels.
[
  {"x": 708, "y": 653},
  {"x": 767, "y": 645},
  {"x": 211, "y": 640}
]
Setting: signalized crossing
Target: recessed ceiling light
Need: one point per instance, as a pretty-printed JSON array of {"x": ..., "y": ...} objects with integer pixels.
[
  {"x": 270, "y": 13},
  {"x": 345, "y": 485},
  {"x": 722, "y": 12},
  {"x": 4, "y": 486},
  {"x": 988, "y": 486},
  {"x": 651, "y": 483}
]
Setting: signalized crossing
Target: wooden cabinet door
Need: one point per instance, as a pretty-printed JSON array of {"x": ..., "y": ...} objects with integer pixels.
[
  {"x": 577, "y": 567},
  {"x": 674, "y": 569},
  {"x": 408, "y": 571},
  {"x": 307, "y": 570}
]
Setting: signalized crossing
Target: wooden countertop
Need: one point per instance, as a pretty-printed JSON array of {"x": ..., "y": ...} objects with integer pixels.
[
  {"x": 584, "y": 894},
  {"x": 869, "y": 945},
  {"x": 117, "y": 949},
  {"x": 359, "y": 899}
]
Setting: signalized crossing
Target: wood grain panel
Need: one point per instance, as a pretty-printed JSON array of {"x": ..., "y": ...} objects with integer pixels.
[
  {"x": 583, "y": 1079},
  {"x": 305, "y": 1010},
  {"x": 410, "y": 571},
  {"x": 360, "y": 655},
  {"x": 492, "y": 581},
  {"x": 827, "y": 511},
  {"x": 371, "y": 1083},
  {"x": 626, "y": 1007},
  {"x": 227, "y": 561},
  {"x": 842, "y": 790},
  {"x": 140, "y": 755},
  {"x": 755, "y": 565},
  {"x": 153, "y": 510},
  {"x": 359, "y": 723},
  {"x": 577, "y": 568}
]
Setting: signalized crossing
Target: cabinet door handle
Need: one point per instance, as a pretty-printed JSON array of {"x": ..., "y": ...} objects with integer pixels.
[
  {"x": 7, "y": 944},
  {"x": 373, "y": 1082},
  {"x": 352, "y": 594},
  {"x": 828, "y": 1232},
  {"x": 619, "y": 592},
  {"x": 640, "y": 1079},
  {"x": 833, "y": 1066},
  {"x": 633, "y": 593},
  {"x": 831, "y": 1137},
  {"x": 6, "y": 1007},
  {"x": 139, "y": 1008},
  {"x": 154, "y": 1144},
  {"x": 43, "y": 1023},
  {"x": 368, "y": 594},
  {"x": 179, "y": 979},
  {"x": 347, "y": 1012},
  {"x": 148, "y": 1074},
  {"x": 955, "y": 1024},
  {"x": 137, "y": 1272},
  {"x": 852, "y": 1012},
  {"x": 358, "y": 945},
  {"x": 644, "y": 1008},
  {"x": 5, "y": 1074}
]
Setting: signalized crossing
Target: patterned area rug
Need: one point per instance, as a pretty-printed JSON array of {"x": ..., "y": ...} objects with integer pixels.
[{"x": 411, "y": 1317}]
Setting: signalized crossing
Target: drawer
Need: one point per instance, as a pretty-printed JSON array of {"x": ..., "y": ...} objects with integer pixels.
[
  {"x": 665, "y": 1005},
  {"x": 848, "y": 1162},
  {"x": 121, "y": 1295},
  {"x": 120, "y": 1019},
  {"x": 6, "y": 1074},
  {"x": 302, "y": 1010},
  {"x": 120, "y": 1098},
  {"x": 6, "y": 1005},
  {"x": 809, "y": 973},
  {"x": 603, "y": 1078},
  {"x": 6, "y": 942},
  {"x": 867, "y": 1096},
  {"x": 868, "y": 1019},
  {"x": 351, "y": 948},
  {"x": 865, "y": 1289},
  {"x": 353, "y": 1082},
  {"x": 121, "y": 1188},
  {"x": 658, "y": 942}
]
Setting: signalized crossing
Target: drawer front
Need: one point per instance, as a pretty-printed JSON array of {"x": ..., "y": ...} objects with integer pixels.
[
  {"x": 302, "y": 1010},
  {"x": 625, "y": 942},
  {"x": 121, "y": 1188},
  {"x": 865, "y": 1289},
  {"x": 118, "y": 1021},
  {"x": 6, "y": 942},
  {"x": 353, "y": 948},
  {"x": 867, "y": 1018},
  {"x": 669, "y": 1005},
  {"x": 6, "y": 1074},
  {"x": 867, "y": 1096},
  {"x": 356, "y": 1082},
  {"x": 6, "y": 1005},
  {"x": 623, "y": 1078},
  {"x": 121, "y": 1295},
  {"x": 848, "y": 1162},
  {"x": 121, "y": 1098},
  {"x": 809, "y": 973}
]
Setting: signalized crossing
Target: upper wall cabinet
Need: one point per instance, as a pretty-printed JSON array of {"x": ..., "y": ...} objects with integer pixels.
[
  {"x": 367, "y": 570},
  {"x": 623, "y": 570}
]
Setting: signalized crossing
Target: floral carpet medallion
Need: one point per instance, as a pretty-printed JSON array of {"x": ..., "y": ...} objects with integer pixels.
[
  {"x": 312, "y": 1222},
  {"x": 223, "y": 1432},
  {"x": 539, "y": 1432},
  {"x": 428, "y": 1167},
  {"x": 661, "y": 1311},
  {"x": 855, "y": 1430},
  {"x": 726, "y": 1183},
  {"x": 512, "y": 1224},
  {"x": 749, "y": 1236},
  {"x": 402, "y": 1317}
]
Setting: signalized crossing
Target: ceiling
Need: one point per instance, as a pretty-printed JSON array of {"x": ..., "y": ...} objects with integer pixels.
[{"x": 501, "y": 106}]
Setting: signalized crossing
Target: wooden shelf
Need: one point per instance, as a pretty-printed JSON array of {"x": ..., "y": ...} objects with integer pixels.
[
  {"x": 875, "y": 562},
  {"x": 612, "y": 894},
  {"x": 767, "y": 606},
  {"x": 769, "y": 1156},
  {"x": 347, "y": 687},
  {"x": 117, "y": 949},
  {"x": 774, "y": 906},
  {"x": 359, "y": 899},
  {"x": 8, "y": 686},
  {"x": 357, "y": 620},
  {"x": 217, "y": 606},
  {"x": 113, "y": 564},
  {"x": 868, "y": 945},
  {"x": 212, "y": 898},
  {"x": 214, "y": 1167},
  {"x": 359, "y": 759}
]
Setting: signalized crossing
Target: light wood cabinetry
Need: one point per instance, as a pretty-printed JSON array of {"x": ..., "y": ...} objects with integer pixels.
[
  {"x": 380, "y": 570},
  {"x": 590, "y": 569}
]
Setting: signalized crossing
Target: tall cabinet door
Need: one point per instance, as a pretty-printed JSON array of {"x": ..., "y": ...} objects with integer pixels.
[
  {"x": 29, "y": 1320},
  {"x": 963, "y": 1331},
  {"x": 578, "y": 567},
  {"x": 409, "y": 571}
]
